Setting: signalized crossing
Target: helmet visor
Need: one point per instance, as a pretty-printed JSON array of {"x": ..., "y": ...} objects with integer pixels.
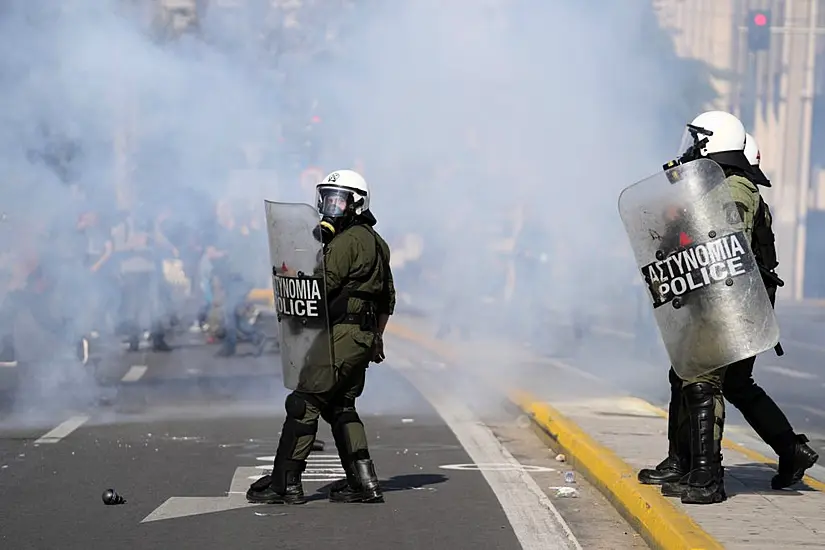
[
  {"x": 694, "y": 141},
  {"x": 332, "y": 202}
]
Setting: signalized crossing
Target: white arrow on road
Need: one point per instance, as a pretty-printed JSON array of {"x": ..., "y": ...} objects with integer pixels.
[{"x": 179, "y": 507}]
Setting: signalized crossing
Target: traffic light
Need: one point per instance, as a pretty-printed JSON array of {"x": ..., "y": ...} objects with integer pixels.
[{"x": 759, "y": 30}]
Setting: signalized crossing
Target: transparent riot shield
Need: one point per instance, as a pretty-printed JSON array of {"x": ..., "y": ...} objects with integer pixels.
[
  {"x": 297, "y": 259},
  {"x": 708, "y": 297}
]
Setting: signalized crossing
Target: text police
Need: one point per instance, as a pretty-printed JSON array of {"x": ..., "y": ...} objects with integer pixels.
[
  {"x": 698, "y": 266},
  {"x": 298, "y": 296}
]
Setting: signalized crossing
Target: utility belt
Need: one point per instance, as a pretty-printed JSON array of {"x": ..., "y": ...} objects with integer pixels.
[{"x": 366, "y": 319}]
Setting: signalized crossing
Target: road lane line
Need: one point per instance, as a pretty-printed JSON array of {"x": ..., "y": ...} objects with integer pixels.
[
  {"x": 134, "y": 373},
  {"x": 536, "y": 522},
  {"x": 790, "y": 373},
  {"x": 62, "y": 430}
]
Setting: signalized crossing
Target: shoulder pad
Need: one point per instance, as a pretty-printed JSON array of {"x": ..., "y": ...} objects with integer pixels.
[{"x": 736, "y": 179}]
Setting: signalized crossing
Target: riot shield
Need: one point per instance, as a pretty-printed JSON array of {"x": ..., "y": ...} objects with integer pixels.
[
  {"x": 708, "y": 297},
  {"x": 297, "y": 259}
]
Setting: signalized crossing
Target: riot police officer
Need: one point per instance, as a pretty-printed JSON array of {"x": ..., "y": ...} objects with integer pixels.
[
  {"x": 696, "y": 413},
  {"x": 360, "y": 299},
  {"x": 739, "y": 387},
  {"x": 693, "y": 468}
]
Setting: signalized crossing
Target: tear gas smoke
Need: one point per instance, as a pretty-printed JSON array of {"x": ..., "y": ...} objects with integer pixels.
[{"x": 462, "y": 113}]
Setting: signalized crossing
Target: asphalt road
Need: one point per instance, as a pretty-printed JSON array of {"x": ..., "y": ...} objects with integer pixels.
[{"x": 182, "y": 437}]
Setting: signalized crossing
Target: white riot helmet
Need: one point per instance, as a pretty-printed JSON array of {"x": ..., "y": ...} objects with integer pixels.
[
  {"x": 752, "y": 150},
  {"x": 711, "y": 133},
  {"x": 755, "y": 159},
  {"x": 341, "y": 193}
]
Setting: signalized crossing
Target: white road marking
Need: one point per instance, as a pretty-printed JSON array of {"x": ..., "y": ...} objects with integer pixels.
[
  {"x": 312, "y": 477},
  {"x": 500, "y": 467},
  {"x": 312, "y": 458},
  {"x": 62, "y": 430},
  {"x": 134, "y": 373},
  {"x": 178, "y": 507},
  {"x": 812, "y": 410},
  {"x": 321, "y": 468},
  {"x": 803, "y": 345},
  {"x": 790, "y": 373},
  {"x": 535, "y": 521}
]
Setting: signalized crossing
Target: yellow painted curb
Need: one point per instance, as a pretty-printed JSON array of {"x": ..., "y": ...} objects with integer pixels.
[{"x": 661, "y": 524}]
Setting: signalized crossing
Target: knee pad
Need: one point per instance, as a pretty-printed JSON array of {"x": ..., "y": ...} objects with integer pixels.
[
  {"x": 295, "y": 405},
  {"x": 344, "y": 416},
  {"x": 294, "y": 425},
  {"x": 700, "y": 393}
]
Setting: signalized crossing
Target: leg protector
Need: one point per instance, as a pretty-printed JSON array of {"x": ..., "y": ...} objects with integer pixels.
[
  {"x": 337, "y": 420},
  {"x": 340, "y": 418},
  {"x": 705, "y": 482},
  {"x": 362, "y": 481},
  {"x": 677, "y": 462},
  {"x": 284, "y": 486}
]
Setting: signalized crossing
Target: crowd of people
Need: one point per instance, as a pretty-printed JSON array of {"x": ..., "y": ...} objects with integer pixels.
[{"x": 129, "y": 273}]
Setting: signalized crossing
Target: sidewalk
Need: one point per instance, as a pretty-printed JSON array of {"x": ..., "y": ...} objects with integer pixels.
[
  {"x": 609, "y": 436},
  {"x": 754, "y": 516}
]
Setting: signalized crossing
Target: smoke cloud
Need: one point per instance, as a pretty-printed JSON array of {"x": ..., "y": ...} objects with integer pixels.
[{"x": 471, "y": 119}]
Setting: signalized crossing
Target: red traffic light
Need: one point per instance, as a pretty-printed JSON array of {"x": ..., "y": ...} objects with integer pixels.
[{"x": 760, "y": 19}]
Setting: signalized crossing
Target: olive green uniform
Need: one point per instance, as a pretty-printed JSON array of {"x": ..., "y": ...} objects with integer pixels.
[{"x": 360, "y": 288}]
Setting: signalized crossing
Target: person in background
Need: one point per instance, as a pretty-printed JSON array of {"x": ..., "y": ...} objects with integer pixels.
[
  {"x": 227, "y": 254},
  {"x": 132, "y": 242},
  {"x": 98, "y": 252}
]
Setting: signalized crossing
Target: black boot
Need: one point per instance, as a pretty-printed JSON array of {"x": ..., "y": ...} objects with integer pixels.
[
  {"x": 670, "y": 470},
  {"x": 364, "y": 488},
  {"x": 677, "y": 463},
  {"x": 342, "y": 484},
  {"x": 705, "y": 482},
  {"x": 793, "y": 463},
  {"x": 283, "y": 486},
  {"x": 675, "y": 488}
]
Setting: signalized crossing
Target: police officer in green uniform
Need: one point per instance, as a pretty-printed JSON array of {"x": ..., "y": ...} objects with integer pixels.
[
  {"x": 360, "y": 300},
  {"x": 738, "y": 386}
]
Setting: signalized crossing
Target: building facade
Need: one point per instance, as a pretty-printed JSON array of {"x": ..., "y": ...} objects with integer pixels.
[{"x": 777, "y": 87}]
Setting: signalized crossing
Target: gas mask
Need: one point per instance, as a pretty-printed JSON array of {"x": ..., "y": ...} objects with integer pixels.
[
  {"x": 325, "y": 230},
  {"x": 337, "y": 209}
]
